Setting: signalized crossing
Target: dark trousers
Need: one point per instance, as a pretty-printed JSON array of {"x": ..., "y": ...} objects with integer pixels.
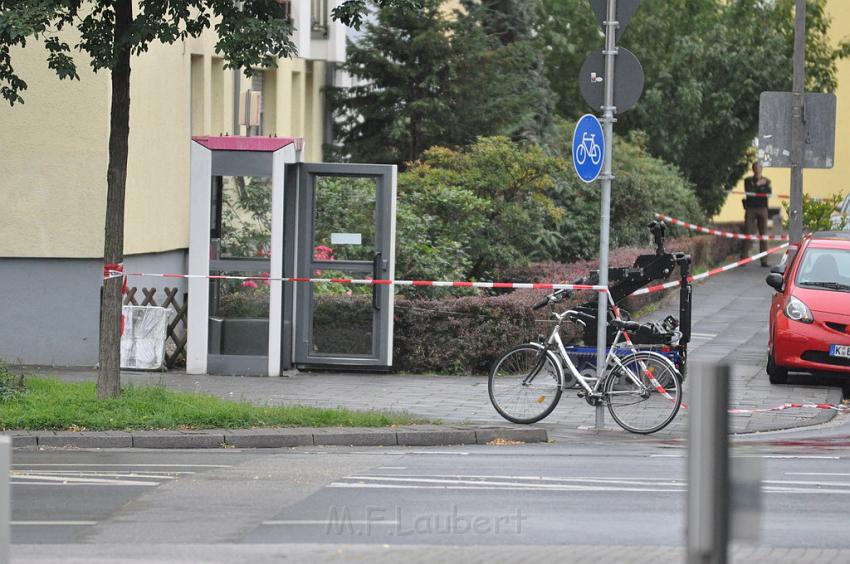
[{"x": 755, "y": 220}]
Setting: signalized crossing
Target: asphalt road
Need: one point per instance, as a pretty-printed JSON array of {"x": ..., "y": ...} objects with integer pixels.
[{"x": 593, "y": 491}]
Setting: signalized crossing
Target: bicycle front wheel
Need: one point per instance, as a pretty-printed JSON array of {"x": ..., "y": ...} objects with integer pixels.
[
  {"x": 525, "y": 384},
  {"x": 650, "y": 405}
]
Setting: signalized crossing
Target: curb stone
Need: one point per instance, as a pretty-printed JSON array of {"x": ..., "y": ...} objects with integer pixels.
[{"x": 413, "y": 435}]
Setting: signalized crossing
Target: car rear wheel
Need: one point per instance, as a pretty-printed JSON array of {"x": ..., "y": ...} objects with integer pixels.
[{"x": 776, "y": 374}]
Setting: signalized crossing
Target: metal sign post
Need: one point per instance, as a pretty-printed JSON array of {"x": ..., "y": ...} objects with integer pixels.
[
  {"x": 796, "y": 216},
  {"x": 605, "y": 214},
  {"x": 597, "y": 79}
]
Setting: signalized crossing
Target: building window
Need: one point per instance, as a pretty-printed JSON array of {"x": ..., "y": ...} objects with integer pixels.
[{"x": 319, "y": 19}]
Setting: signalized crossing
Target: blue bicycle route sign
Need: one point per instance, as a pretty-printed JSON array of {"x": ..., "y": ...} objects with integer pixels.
[{"x": 588, "y": 148}]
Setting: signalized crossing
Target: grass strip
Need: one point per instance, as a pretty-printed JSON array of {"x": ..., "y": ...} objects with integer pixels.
[{"x": 50, "y": 404}]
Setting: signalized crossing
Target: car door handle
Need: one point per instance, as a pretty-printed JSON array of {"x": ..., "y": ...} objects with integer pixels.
[{"x": 376, "y": 275}]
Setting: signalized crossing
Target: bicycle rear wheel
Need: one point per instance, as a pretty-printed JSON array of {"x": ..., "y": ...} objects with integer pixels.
[
  {"x": 649, "y": 407},
  {"x": 525, "y": 384}
]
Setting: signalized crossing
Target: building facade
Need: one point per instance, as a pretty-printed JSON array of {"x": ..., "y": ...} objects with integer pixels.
[{"x": 53, "y": 171}]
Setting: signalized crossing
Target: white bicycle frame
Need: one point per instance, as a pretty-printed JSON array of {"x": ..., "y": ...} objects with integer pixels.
[{"x": 612, "y": 358}]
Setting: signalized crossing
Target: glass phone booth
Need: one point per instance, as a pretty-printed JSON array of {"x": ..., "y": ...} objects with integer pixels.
[{"x": 256, "y": 210}]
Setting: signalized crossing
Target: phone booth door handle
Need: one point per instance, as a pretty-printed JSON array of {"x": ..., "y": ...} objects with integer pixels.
[{"x": 376, "y": 275}]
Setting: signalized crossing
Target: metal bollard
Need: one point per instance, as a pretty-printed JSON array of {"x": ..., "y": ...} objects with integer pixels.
[
  {"x": 5, "y": 497},
  {"x": 708, "y": 466}
]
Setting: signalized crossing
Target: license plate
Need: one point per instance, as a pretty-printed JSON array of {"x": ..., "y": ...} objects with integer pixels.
[{"x": 842, "y": 351}]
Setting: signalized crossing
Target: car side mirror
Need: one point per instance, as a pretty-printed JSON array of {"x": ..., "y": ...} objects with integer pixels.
[
  {"x": 778, "y": 269},
  {"x": 775, "y": 280}
]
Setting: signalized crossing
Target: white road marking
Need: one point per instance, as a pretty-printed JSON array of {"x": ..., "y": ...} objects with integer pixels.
[
  {"x": 23, "y": 465},
  {"x": 16, "y": 475},
  {"x": 86, "y": 484},
  {"x": 771, "y": 489},
  {"x": 777, "y": 456},
  {"x": 801, "y": 457},
  {"x": 99, "y": 474},
  {"x": 704, "y": 335},
  {"x": 529, "y": 487},
  {"x": 328, "y": 522},
  {"x": 569, "y": 484},
  {"x": 392, "y": 467},
  {"x": 817, "y": 473},
  {"x": 572, "y": 488},
  {"x": 807, "y": 483},
  {"x": 437, "y": 452},
  {"x": 52, "y": 523},
  {"x": 474, "y": 479}
]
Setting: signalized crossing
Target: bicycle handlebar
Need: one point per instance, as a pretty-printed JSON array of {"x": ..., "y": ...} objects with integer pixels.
[
  {"x": 552, "y": 298},
  {"x": 542, "y": 303}
]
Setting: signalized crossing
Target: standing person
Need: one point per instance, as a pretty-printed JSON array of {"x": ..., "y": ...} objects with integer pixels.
[{"x": 757, "y": 188}]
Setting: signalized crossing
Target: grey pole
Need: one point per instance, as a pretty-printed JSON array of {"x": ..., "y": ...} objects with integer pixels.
[
  {"x": 797, "y": 127},
  {"x": 5, "y": 496},
  {"x": 708, "y": 466},
  {"x": 237, "y": 97},
  {"x": 608, "y": 110}
]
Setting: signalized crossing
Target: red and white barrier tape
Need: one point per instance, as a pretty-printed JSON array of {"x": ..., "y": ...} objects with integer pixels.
[
  {"x": 780, "y": 196},
  {"x": 762, "y": 194},
  {"x": 718, "y": 232},
  {"x": 784, "y": 406},
  {"x": 371, "y": 282},
  {"x": 712, "y": 272},
  {"x": 110, "y": 272}
]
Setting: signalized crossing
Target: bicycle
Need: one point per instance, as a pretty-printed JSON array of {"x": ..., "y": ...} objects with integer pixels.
[{"x": 642, "y": 389}]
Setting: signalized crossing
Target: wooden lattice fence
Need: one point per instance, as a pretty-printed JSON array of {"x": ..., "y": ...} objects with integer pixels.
[{"x": 175, "y": 339}]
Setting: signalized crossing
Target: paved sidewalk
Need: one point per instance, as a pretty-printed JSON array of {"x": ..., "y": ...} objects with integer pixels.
[
  {"x": 730, "y": 325},
  {"x": 378, "y": 554}
]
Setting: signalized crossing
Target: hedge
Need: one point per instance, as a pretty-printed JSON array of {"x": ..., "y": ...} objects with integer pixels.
[{"x": 464, "y": 335}]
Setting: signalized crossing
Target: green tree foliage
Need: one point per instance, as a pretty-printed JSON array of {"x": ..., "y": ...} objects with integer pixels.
[
  {"x": 817, "y": 214},
  {"x": 477, "y": 212},
  {"x": 706, "y": 63},
  {"x": 498, "y": 205},
  {"x": 251, "y": 33},
  {"x": 644, "y": 185},
  {"x": 515, "y": 24},
  {"x": 429, "y": 78}
]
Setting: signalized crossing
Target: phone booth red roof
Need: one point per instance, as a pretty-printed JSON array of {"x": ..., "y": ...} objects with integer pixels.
[{"x": 238, "y": 143}]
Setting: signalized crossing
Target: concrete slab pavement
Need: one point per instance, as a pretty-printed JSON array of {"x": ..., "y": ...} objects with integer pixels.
[{"x": 377, "y": 554}]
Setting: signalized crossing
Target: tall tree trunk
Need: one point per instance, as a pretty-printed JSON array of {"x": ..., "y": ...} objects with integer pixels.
[{"x": 109, "y": 375}]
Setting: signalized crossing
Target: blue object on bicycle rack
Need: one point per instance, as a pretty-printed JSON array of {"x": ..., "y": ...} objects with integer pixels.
[{"x": 585, "y": 357}]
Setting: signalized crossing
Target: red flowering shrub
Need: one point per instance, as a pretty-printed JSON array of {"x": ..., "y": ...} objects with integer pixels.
[{"x": 465, "y": 335}]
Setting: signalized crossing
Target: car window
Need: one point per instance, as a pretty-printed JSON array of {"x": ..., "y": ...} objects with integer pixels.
[
  {"x": 823, "y": 267},
  {"x": 786, "y": 260}
]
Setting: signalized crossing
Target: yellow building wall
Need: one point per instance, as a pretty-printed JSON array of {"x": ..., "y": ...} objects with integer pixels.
[
  {"x": 53, "y": 149},
  {"x": 816, "y": 182},
  {"x": 53, "y": 155}
]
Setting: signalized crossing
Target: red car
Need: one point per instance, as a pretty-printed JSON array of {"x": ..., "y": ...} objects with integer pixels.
[{"x": 810, "y": 313}]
